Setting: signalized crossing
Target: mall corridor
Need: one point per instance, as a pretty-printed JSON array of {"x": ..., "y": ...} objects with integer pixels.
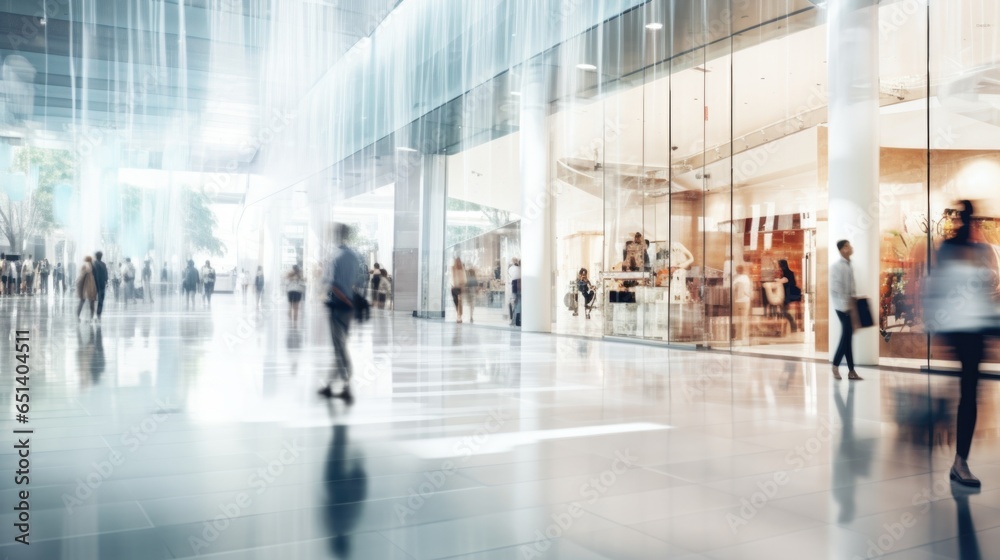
[{"x": 164, "y": 433}]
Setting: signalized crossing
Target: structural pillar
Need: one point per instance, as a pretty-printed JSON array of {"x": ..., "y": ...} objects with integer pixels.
[
  {"x": 852, "y": 59},
  {"x": 536, "y": 220},
  {"x": 418, "y": 261}
]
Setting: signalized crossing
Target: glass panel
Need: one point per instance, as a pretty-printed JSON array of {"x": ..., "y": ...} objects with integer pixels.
[
  {"x": 656, "y": 188},
  {"x": 686, "y": 241},
  {"x": 779, "y": 186},
  {"x": 903, "y": 218},
  {"x": 965, "y": 126}
]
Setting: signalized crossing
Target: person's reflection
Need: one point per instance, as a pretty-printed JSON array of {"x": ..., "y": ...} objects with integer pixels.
[
  {"x": 97, "y": 358},
  {"x": 968, "y": 541},
  {"x": 346, "y": 485},
  {"x": 853, "y": 459},
  {"x": 791, "y": 368},
  {"x": 293, "y": 342},
  {"x": 84, "y": 352}
]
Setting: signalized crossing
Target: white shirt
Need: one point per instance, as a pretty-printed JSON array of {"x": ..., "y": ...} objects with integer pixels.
[
  {"x": 514, "y": 271},
  {"x": 28, "y": 268},
  {"x": 842, "y": 287},
  {"x": 742, "y": 289}
]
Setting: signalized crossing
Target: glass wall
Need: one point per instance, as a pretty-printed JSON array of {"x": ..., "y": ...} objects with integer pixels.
[
  {"x": 688, "y": 171},
  {"x": 940, "y": 144}
]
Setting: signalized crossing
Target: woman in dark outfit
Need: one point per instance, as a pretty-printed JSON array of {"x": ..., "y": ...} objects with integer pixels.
[{"x": 792, "y": 292}]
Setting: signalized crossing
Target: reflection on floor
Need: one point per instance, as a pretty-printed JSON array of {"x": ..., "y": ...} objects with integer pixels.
[{"x": 167, "y": 433}]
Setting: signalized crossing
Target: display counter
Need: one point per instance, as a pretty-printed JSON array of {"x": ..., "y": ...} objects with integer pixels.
[{"x": 635, "y": 307}]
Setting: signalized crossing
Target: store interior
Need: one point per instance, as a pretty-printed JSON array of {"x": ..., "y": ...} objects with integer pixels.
[{"x": 716, "y": 163}]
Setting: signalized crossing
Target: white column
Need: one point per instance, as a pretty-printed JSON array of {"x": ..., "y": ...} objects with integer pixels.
[
  {"x": 433, "y": 202},
  {"x": 852, "y": 59},
  {"x": 536, "y": 220}
]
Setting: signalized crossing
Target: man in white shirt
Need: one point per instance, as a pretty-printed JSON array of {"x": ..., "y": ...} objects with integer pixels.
[
  {"x": 128, "y": 278},
  {"x": 842, "y": 292},
  {"x": 208, "y": 282},
  {"x": 742, "y": 296}
]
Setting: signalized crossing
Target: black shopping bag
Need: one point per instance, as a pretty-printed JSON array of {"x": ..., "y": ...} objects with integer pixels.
[{"x": 861, "y": 314}]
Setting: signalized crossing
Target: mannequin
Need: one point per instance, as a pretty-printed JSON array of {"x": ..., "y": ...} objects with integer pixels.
[{"x": 681, "y": 260}]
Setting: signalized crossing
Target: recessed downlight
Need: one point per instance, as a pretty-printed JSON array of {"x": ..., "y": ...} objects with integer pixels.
[
  {"x": 586, "y": 67},
  {"x": 654, "y": 26}
]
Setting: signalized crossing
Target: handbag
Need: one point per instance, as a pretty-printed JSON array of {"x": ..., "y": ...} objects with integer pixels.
[{"x": 861, "y": 314}]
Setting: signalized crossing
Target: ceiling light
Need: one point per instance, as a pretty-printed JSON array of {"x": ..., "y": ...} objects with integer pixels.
[
  {"x": 654, "y": 26},
  {"x": 411, "y": 150},
  {"x": 587, "y": 67},
  {"x": 43, "y": 21}
]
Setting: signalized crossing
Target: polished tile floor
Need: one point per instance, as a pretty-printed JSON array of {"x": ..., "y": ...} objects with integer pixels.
[{"x": 174, "y": 433}]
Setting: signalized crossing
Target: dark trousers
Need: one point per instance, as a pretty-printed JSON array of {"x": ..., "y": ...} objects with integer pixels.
[
  {"x": 791, "y": 318},
  {"x": 340, "y": 322},
  {"x": 100, "y": 301},
  {"x": 846, "y": 347},
  {"x": 89, "y": 302},
  {"x": 969, "y": 348}
]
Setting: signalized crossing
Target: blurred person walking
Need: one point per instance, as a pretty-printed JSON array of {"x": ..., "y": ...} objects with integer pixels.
[
  {"x": 15, "y": 277},
  {"x": 128, "y": 278},
  {"x": 514, "y": 299},
  {"x": 86, "y": 286},
  {"x": 258, "y": 284},
  {"x": 295, "y": 285},
  {"x": 244, "y": 282},
  {"x": 958, "y": 305},
  {"x": 742, "y": 302},
  {"x": 164, "y": 280},
  {"x": 842, "y": 292},
  {"x": 28, "y": 275},
  {"x": 44, "y": 270},
  {"x": 59, "y": 280},
  {"x": 189, "y": 284},
  {"x": 458, "y": 280},
  {"x": 147, "y": 280},
  {"x": 376, "y": 281},
  {"x": 471, "y": 291},
  {"x": 792, "y": 292},
  {"x": 344, "y": 278},
  {"x": 385, "y": 290},
  {"x": 101, "y": 283},
  {"x": 116, "y": 280},
  {"x": 208, "y": 282},
  {"x": 4, "y": 271}
]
